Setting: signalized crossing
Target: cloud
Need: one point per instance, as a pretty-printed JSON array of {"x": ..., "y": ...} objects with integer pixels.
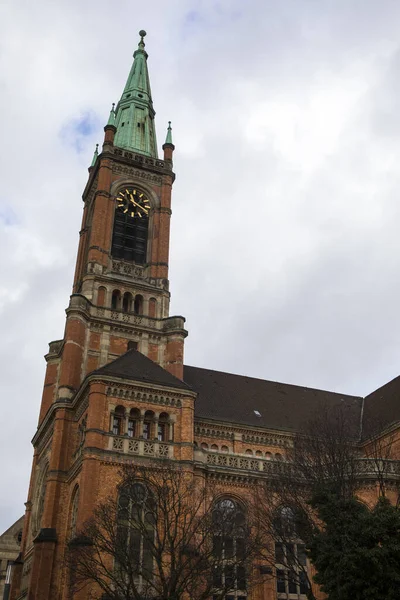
[
  {"x": 76, "y": 130},
  {"x": 284, "y": 242}
]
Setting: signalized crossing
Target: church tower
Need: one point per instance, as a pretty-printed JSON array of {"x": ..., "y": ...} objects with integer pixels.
[{"x": 114, "y": 387}]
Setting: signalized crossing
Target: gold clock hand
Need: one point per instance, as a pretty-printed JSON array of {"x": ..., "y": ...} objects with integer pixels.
[{"x": 138, "y": 205}]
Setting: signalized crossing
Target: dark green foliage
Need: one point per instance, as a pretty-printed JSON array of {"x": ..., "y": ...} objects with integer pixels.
[{"x": 357, "y": 551}]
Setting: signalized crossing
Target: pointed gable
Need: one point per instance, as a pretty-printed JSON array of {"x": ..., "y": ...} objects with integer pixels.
[{"x": 136, "y": 366}]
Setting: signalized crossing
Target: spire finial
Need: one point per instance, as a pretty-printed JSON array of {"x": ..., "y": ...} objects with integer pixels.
[
  {"x": 168, "y": 139},
  {"x": 141, "y": 44},
  {"x": 95, "y": 155}
]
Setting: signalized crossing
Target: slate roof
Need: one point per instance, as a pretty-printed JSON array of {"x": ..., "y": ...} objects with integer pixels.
[
  {"x": 135, "y": 365},
  {"x": 235, "y": 398},
  {"x": 255, "y": 402},
  {"x": 382, "y": 407}
]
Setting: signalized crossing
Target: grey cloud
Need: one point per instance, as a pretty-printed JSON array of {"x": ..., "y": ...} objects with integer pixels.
[{"x": 284, "y": 255}]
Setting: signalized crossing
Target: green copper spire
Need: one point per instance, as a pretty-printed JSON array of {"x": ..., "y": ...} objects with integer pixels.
[
  {"x": 111, "y": 118},
  {"x": 168, "y": 139},
  {"x": 95, "y": 155},
  {"x": 134, "y": 117}
]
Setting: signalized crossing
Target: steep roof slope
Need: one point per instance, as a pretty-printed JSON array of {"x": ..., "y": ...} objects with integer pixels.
[
  {"x": 236, "y": 398},
  {"x": 382, "y": 407},
  {"x": 135, "y": 365}
]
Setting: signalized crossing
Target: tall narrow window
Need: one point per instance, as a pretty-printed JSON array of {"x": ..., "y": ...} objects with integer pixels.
[
  {"x": 133, "y": 421},
  {"x": 229, "y": 548},
  {"x": 146, "y": 430},
  {"x": 117, "y": 420},
  {"x": 148, "y": 424},
  {"x": 116, "y": 300},
  {"x": 74, "y": 512},
  {"x": 138, "y": 304},
  {"x": 136, "y": 519},
  {"x": 290, "y": 555},
  {"x": 162, "y": 427},
  {"x": 131, "y": 226},
  {"x": 127, "y": 302}
]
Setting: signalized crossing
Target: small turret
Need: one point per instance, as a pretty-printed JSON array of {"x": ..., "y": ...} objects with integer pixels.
[
  {"x": 110, "y": 129},
  {"x": 168, "y": 146}
]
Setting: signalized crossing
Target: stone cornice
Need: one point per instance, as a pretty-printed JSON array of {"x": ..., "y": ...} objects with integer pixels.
[{"x": 252, "y": 435}]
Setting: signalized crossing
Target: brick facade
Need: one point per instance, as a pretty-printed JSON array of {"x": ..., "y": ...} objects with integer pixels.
[{"x": 76, "y": 446}]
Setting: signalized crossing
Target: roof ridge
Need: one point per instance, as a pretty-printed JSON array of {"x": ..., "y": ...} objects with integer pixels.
[{"x": 293, "y": 385}]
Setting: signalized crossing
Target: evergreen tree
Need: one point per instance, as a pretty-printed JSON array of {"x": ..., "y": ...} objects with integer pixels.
[{"x": 356, "y": 551}]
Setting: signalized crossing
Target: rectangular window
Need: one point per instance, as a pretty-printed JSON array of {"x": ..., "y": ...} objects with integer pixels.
[
  {"x": 217, "y": 546},
  {"x": 301, "y": 555},
  {"x": 131, "y": 428},
  {"x": 290, "y": 554},
  {"x": 228, "y": 543},
  {"x": 240, "y": 548},
  {"x": 303, "y": 583},
  {"x": 230, "y": 576},
  {"x": 292, "y": 580},
  {"x": 146, "y": 430},
  {"x": 116, "y": 425},
  {"x": 241, "y": 578},
  {"x": 161, "y": 432},
  {"x": 280, "y": 582}
]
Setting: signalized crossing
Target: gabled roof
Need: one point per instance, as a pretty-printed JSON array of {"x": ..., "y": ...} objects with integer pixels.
[
  {"x": 238, "y": 399},
  {"x": 135, "y": 365}
]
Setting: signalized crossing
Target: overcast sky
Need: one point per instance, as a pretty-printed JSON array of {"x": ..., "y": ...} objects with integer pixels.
[{"x": 285, "y": 252}]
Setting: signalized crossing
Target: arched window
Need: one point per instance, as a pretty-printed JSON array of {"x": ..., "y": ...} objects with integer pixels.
[
  {"x": 116, "y": 300},
  {"x": 133, "y": 422},
  {"x": 152, "y": 307},
  {"x": 74, "y": 511},
  {"x": 248, "y": 451},
  {"x": 136, "y": 528},
  {"x": 278, "y": 456},
  {"x": 214, "y": 447},
  {"x": 101, "y": 296},
  {"x": 130, "y": 231},
  {"x": 162, "y": 433},
  {"x": 147, "y": 425},
  {"x": 268, "y": 455},
  {"x": 229, "y": 531},
  {"x": 204, "y": 446},
  {"x": 258, "y": 453},
  {"x": 118, "y": 420},
  {"x": 138, "y": 305},
  {"x": 224, "y": 449},
  {"x": 127, "y": 302}
]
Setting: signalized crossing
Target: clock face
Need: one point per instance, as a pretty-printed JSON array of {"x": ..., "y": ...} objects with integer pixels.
[{"x": 133, "y": 202}]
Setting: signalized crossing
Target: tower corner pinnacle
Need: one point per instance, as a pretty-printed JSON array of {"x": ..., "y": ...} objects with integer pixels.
[
  {"x": 95, "y": 155},
  {"x": 168, "y": 146}
]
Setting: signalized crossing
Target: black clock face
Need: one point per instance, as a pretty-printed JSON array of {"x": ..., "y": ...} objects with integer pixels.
[{"x": 133, "y": 202}]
